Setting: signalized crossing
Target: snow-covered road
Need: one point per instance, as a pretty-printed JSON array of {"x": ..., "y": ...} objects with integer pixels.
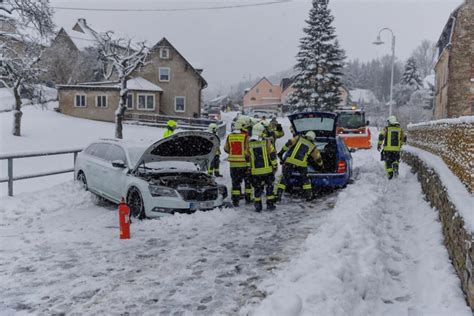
[
  {"x": 62, "y": 254},
  {"x": 374, "y": 248}
]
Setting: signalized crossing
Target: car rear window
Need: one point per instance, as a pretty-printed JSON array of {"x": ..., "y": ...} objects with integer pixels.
[
  {"x": 314, "y": 124},
  {"x": 116, "y": 153}
]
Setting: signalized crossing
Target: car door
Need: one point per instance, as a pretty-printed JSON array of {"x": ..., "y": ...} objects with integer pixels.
[
  {"x": 115, "y": 177},
  {"x": 96, "y": 165}
]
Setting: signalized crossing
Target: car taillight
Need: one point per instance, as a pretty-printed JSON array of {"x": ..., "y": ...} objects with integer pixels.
[
  {"x": 341, "y": 166},
  {"x": 340, "y": 130},
  {"x": 361, "y": 130}
]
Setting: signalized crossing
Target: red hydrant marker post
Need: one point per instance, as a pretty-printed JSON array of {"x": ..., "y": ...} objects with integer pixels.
[{"x": 124, "y": 220}]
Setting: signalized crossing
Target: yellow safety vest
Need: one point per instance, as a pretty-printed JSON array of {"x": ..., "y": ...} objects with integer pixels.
[
  {"x": 393, "y": 139},
  {"x": 236, "y": 156},
  {"x": 259, "y": 162},
  {"x": 168, "y": 132},
  {"x": 299, "y": 152}
]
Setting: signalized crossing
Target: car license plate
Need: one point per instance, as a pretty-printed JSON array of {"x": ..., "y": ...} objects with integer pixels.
[{"x": 201, "y": 205}]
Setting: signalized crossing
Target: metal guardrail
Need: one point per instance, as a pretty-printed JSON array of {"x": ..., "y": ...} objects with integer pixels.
[
  {"x": 185, "y": 123},
  {"x": 12, "y": 156}
]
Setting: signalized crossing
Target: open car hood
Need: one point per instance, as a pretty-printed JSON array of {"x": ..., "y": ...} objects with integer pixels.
[
  {"x": 323, "y": 124},
  {"x": 194, "y": 146}
]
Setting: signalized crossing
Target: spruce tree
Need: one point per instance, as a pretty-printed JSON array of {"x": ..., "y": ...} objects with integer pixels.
[
  {"x": 411, "y": 77},
  {"x": 319, "y": 63}
]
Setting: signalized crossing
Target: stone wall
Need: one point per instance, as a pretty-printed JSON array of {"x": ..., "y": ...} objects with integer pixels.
[
  {"x": 450, "y": 139},
  {"x": 461, "y": 62},
  {"x": 458, "y": 241}
]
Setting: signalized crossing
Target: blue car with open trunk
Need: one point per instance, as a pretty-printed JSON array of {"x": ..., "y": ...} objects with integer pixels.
[{"x": 337, "y": 159}]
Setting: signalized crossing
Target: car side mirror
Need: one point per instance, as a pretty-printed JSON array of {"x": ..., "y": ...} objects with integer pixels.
[
  {"x": 367, "y": 123},
  {"x": 118, "y": 164}
]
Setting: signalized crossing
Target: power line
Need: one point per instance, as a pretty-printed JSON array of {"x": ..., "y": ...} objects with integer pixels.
[{"x": 235, "y": 6}]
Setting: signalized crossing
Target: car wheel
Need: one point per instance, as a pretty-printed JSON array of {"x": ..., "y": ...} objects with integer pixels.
[
  {"x": 81, "y": 177},
  {"x": 135, "y": 202}
]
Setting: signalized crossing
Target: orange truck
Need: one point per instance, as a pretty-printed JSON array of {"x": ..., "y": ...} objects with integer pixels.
[{"x": 353, "y": 128}]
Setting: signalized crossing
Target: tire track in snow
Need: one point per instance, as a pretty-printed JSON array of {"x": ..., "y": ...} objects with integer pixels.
[{"x": 65, "y": 256}]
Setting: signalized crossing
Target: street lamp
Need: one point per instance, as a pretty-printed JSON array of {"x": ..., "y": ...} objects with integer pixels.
[{"x": 378, "y": 41}]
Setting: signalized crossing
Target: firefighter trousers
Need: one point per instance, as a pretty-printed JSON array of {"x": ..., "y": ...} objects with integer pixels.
[
  {"x": 261, "y": 182},
  {"x": 214, "y": 165},
  {"x": 287, "y": 172},
  {"x": 392, "y": 162},
  {"x": 239, "y": 175}
]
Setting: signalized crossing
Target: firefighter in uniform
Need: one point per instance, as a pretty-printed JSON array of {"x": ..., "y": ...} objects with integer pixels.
[
  {"x": 391, "y": 139},
  {"x": 300, "y": 150},
  {"x": 236, "y": 148},
  {"x": 216, "y": 161},
  {"x": 276, "y": 130},
  {"x": 170, "y": 127},
  {"x": 263, "y": 164}
]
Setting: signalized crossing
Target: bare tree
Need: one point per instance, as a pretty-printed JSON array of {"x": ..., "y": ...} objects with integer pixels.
[
  {"x": 31, "y": 13},
  {"x": 19, "y": 70},
  {"x": 424, "y": 56},
  {"x": 21, "y": 50},
  {"x": 121, "y": 58}
]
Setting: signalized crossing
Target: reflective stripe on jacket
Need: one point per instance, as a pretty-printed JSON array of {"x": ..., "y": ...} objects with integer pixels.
[
  {"x": 299, "y": 152},
  {"x": 392, "y": 138},
  {"x": 262, "y": 157},
  {"x": 235, "y": 146}
]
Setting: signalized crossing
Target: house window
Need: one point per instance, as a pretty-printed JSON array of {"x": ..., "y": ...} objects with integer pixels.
[
  {"x": 146, "y": 102},
  {"x": 164, "y": 74},
  {"x": 270, "y": 90},
  {"x": 101, "y": 101},
  {"x": 258, "y": 90},
  {"x": 80, "y": 100},
  {"x": 164, "y": 53},
  {"x": 252, "y": 99},
  {"x": 179, "y": 104},
  {"x": 129, "y": 101}
]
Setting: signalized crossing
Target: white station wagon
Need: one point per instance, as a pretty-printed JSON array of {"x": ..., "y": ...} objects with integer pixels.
[{"x": 161, "y": 179}]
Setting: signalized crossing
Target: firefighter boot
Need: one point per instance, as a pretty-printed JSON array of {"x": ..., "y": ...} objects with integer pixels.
[
  {"x": 278, "y": 195},
  {"x": 308, "y": 195},
  {"x": 270, "y": 205},
  {"x": 217, "y": 174},
  {"x": 235, "y": 201},
  {"x": 258, "y": 206}
]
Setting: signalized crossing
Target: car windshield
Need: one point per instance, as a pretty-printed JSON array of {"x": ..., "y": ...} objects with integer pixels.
[
  {"x": 314, "y": 124},
  {"x": 134, "y": 154},
  {"x": 351, "y": 120}
]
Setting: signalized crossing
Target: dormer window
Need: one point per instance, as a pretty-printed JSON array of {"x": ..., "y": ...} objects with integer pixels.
[{"x": 164, "y": 53}]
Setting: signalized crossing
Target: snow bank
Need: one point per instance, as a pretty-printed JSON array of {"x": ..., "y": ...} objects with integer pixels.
[
  {"x": 457, "y": 120},
  {"x": 461, "y": 198},
  {"x": 378, "y": 252}
]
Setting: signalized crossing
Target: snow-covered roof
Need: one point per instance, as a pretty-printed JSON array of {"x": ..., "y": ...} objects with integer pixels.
[
  {"x": 82, "y": 35},
  {"x": 363, "y": 96},
  {"x": 135, "y": 84},
  {"x": 141, "y": 84},
  {"x": 218, "y": 99}
]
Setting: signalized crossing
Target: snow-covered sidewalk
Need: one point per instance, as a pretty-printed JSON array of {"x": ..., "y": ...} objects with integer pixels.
[{"x": 378, "y": 252}]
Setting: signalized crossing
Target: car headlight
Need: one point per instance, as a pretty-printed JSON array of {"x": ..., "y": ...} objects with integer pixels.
[{"x": 156, "y": 190}]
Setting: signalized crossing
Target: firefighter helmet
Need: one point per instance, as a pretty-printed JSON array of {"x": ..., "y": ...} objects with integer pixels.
[
  {"x": 258, "y": 129},
  {"x": 310, "y": 135},
  {"x": 392, "y": 120},
  {"x": 171, "y": 124},
  {"x": 212, "y": 128}
]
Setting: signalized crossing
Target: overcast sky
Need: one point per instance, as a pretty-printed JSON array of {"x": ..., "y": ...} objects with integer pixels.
[{"x": 255, "y": 41}]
